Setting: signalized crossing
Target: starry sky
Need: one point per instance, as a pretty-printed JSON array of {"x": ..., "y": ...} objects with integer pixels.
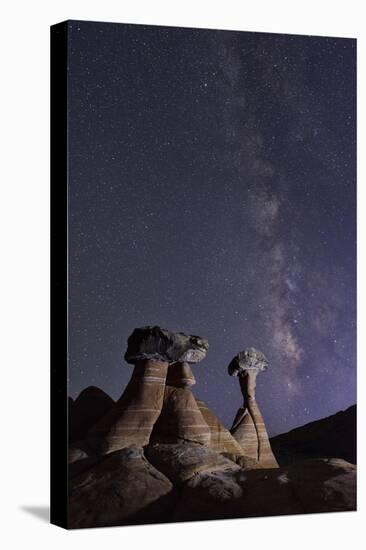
[{"x": 212, "y": 191}]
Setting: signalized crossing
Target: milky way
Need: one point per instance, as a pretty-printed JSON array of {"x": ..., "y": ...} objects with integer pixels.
[{"x": 212, "y": 191}]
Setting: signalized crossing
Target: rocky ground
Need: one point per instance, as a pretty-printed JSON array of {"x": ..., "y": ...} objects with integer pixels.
[{"x": 180, "y": 480}]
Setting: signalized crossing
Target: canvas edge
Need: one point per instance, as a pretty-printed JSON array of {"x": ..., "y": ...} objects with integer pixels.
[{"x": 59, "y": 268}]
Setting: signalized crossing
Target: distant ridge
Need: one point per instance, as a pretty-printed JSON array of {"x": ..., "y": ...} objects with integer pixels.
[
  {"x": 333, "y": 436},
  {"x": 91, "y": 404}
]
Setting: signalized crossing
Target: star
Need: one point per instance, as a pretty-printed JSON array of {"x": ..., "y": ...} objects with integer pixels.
[{"x": 199, "y": 201}]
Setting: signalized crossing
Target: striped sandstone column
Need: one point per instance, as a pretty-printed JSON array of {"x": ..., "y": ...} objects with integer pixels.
[
  {"x": 248, "y": 427},
  {"x": 132, "y": 419},
  {"x": 181, "y": 417},
  {"x": 221, "y": 439}
]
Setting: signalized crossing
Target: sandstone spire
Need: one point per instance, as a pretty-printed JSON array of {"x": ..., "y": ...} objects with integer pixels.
[
  {"x": 181, "y": 417},
  {"x": 248, "y": 427},
  {"x": 132, "y": 418}
]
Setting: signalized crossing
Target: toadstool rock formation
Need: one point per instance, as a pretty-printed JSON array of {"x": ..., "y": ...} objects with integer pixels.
[
  {"x": 248, "y": 427},
  {"x": 132, "y": 418}
]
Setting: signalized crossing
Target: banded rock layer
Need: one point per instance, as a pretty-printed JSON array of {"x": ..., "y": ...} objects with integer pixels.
[
  {"x": 221, "y": 440},
  {"x": 132, "y": 418},
  {"x": 250, "y": 432}
]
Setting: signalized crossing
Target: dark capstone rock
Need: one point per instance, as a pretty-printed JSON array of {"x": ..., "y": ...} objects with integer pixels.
[
  {"x": 159, "y": 344},
  {"x": 249, "y": 359},
  {"x": 87, "y": 409},
  {"x": 308, "y": 487},
  {"x": 184, "y": 459},
  {"x": 334, "y": 436},
  {"x": 122, "y": 488}
]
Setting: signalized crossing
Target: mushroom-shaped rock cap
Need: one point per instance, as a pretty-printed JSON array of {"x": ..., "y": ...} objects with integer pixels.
[
  {"x": 249, "y": 359},
  {"x": 157, "y": 344}
]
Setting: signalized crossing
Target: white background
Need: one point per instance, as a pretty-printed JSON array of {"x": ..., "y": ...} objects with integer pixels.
[{"x": 24, "y": 218}]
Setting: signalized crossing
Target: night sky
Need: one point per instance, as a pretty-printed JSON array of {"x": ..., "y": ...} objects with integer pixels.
[{"x": 212, "y": 191}]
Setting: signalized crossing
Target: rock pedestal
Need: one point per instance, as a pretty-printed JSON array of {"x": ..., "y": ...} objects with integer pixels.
[
  {"x": 221, "y": 439},
  {"x": 248, "y": 428},
  {"x": 131, "y": 420},
  {"x": 180, "y": 375},
  {"x": 181, "y": 417}
]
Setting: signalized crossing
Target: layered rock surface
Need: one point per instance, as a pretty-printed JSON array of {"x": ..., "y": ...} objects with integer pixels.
[
  {"x": 181, "y": 417},
  {"x": 122, "y": 488},
  {"x": 132, "y": 418},
  {"x": 250, "y": 432},
  {"x": 221, "y": 439}
]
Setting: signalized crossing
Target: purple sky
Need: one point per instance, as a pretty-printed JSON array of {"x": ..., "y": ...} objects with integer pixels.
[{"x": 212, "y": 191}]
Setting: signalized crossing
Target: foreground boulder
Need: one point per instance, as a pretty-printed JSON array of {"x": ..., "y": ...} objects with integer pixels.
[
  {"x": 182, "y": 460},
  {"x": 309, "y": 487},
  {"x": 122, "y": 488}
]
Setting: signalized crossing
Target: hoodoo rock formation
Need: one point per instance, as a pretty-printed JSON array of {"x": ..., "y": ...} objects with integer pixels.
[
  {"x": 160, "y": 455},
  {"x": 248, "y": 427},
  {"x": 132, "y": 419}
]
